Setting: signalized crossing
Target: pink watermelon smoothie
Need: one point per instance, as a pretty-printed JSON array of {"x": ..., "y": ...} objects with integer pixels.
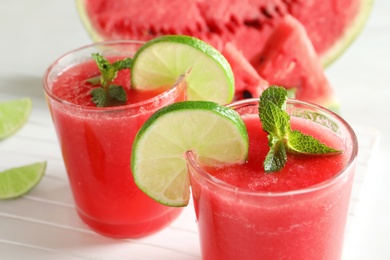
[
  {"x": 297, "y": 213},
  {"x": 96, "y": 147}
]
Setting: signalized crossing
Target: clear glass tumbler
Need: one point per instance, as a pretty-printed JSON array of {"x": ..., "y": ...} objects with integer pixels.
[
  {"x": 96, "y": 146},
  {"x": 306, "y": 223}
]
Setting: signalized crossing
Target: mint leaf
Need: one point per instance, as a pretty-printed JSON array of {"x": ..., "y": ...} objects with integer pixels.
[
  {"x": 281, "y": 138},
  {"x": 108, "y": 94},
  {"x": 117, "y": 93},
  {"x": 298, "y": 142},
  {"x": 276, "y": 95},
  {"x": 99, "y": 97},
  {"x": 123, "y": 64},
  {"x": 94, "y": 80},
  {"x": 275, "y": 121},
  {"x": 276, "y": 157},
  {"x": 106, "y": 69}
]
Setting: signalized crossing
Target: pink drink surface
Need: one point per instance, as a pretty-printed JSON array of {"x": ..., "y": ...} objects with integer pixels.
[
  {"x": 96, "y": 146},
  {"x": 243, "y": 225},
  {"x": 74, "y": 87},
  {"x": 299, "y": 172}
]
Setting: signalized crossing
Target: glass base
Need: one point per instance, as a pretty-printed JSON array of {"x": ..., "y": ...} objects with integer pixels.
[{"x": 140, "y": 229}]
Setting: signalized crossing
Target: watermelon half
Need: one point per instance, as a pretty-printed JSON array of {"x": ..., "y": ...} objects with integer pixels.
[{"x": 331, "y": 25}]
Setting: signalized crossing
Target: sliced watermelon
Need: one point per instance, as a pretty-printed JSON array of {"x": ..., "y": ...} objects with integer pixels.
[
  {"x": 248, "y": 82},
  {"x": 331, "y": 25},
  {"x": 288, "y": 59}
]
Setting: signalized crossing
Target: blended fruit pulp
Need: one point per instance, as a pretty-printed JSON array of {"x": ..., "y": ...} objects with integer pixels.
[
  {"x": 262, "y": 220},
  {"x": 96, "y": 146}
]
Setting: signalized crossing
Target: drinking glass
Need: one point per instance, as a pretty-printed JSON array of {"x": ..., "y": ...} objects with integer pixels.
[
  {"x": 96, "y": 146},
  {"x": 307, "y": 223}
]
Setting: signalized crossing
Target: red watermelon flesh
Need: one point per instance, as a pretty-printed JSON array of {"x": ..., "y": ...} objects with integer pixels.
[
  {"x": 246, "y": 23},
  {"x": 248, "y": 83},
  {"x": 144, "y": 19},
  {"x": 288, "y": 59},
  {"x": 332, "y": 19}
]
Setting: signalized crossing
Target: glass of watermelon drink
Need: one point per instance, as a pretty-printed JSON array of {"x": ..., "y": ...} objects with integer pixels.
[
  {"x": 299, "y": 212},
  {"x": 96, "y": 142}
]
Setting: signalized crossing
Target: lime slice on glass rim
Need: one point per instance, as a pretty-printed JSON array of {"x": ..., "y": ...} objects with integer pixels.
[
  {"x": 160, "y": 62},
  {"x": 215, "y": 134},
  {"x": 18, "y": 181},
  {"x": 13, "y": 115}
]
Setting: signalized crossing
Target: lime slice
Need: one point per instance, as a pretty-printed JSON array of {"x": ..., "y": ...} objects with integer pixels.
[
  {"x": 18, "y": 181},
  {"x": 13, "y": 115},
  {"x": 215, "y": 134},
  {"x": 161, "y": 61}
]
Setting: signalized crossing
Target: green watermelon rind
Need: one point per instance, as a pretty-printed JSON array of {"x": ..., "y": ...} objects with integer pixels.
[
  {"x": 88, "y": 25},
  {"x": 349, "y": 36}
]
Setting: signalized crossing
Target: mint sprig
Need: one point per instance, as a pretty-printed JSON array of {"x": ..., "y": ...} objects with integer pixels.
[
  {"x": 281, "y": 138},
  {"x": 108, "y": 94}
]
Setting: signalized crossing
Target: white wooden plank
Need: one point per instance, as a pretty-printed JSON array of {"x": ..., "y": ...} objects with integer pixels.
[{"x": 164, "y": 245}]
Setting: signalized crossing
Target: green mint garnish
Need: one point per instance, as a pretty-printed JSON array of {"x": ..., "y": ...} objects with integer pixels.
[
  {"x": 99, "y": 96},
  {"x": 94, "y": 80},
  {"x": 281, "y": 138},
  {"x": 108, "y": 94}
]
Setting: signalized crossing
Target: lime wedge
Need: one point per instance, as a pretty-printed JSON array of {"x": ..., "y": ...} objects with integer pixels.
[
  {"x": 161, "y": 61},
  {"x": 215, "y": 134},
  {"x": 18, "y": 181},
  {"x": 13, "y": 115}
]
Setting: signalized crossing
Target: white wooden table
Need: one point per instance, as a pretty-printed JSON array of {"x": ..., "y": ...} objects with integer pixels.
[{"x": 44, "y": 225}]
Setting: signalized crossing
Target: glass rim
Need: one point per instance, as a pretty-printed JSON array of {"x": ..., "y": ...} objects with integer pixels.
[
  {"x": 53, "y": 97},
  {"x": 190, "y": 157}
]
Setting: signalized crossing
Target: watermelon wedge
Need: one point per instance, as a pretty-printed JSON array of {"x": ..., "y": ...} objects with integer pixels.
[
  {"x": 289, "y": 59},
  {"x": 248, "y": 82},
  {"x": 331, "y": 25}
]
